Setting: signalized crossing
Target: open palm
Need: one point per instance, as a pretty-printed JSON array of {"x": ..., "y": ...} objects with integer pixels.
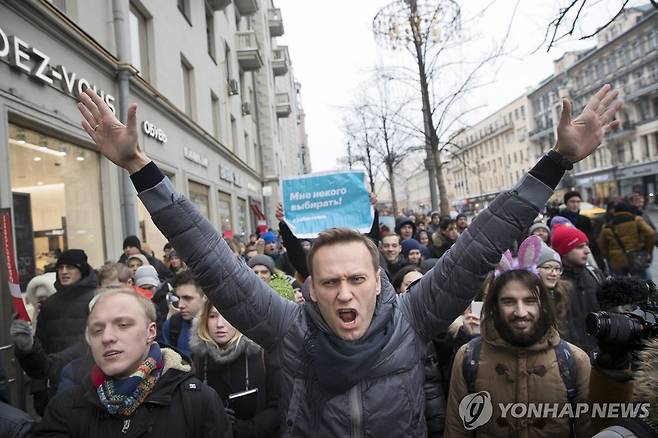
[
  {"x": 578, "y": 138},
  {"x": 117, "y": 142}
]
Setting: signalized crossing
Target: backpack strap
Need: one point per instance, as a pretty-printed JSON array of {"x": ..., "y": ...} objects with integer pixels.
[
  {"x": 175, "y": 323},
  {"x": 193, "y": 405},
  {"x": 471, "y": 362},
  {"x": 567, "y": 365}
]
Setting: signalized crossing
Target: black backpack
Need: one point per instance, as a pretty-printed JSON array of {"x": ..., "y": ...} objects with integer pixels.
[
  {"x": 175, "y": 323},
  {"x": 565, "y": 360}
]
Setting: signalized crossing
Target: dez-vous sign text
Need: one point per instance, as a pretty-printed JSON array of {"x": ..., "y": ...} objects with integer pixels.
[{"x": 36, "y": 63}]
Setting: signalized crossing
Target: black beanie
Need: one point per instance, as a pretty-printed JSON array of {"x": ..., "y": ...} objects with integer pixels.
[
  {"x": 132, "y": 241},
  {"x": 74, "y": 257}
]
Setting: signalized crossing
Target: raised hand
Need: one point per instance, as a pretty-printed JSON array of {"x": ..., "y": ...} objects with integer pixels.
[
  {"x": 279, "y": 212},
  {"x": 578, "y": 138},
  {"x": 116, "y": 141}
]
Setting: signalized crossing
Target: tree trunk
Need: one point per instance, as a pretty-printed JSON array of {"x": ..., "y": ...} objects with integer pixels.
[
  {"x": 431, "y": 140},
  {"x": 391, "y": 185},
  {"x": 444, "y": 203}
]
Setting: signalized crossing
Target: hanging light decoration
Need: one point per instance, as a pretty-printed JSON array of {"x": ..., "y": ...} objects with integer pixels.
[{"x": 403, "y": 23}]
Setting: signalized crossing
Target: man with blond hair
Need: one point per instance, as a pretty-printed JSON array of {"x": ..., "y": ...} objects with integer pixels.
[{"x": 135, "y": 385}]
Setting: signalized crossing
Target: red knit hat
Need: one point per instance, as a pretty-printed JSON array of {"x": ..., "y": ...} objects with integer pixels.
[{"x": 566, "y": 237}]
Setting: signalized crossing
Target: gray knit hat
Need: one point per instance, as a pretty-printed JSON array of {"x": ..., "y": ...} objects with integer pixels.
[
  {"x": 538, "y": 225},
  {"x": 263, "y": 260},
  {"x": 547, "y": 254}
]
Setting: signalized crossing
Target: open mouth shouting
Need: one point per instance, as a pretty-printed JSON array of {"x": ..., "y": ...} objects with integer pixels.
[{"x": 347, "y": 318}]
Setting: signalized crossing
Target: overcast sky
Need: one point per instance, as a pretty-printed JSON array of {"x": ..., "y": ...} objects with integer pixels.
[{"x": 332, "y": 50}]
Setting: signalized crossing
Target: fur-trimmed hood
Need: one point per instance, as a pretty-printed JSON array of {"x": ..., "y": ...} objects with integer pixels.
[{"x": 646, "y": 377}]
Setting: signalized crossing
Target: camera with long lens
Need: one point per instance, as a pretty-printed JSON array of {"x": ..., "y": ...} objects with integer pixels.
[
  {"x": 626, "y": 328},
  {"x": 631, "y": 314}
]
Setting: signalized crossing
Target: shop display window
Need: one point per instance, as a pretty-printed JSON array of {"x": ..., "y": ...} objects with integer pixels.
[{"x": 57, "y": 200}]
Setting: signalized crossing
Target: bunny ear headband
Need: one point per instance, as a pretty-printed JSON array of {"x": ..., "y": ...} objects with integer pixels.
[{"x": 529, "y": 252}]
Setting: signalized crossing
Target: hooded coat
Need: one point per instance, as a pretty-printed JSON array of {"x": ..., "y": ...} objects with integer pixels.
[
  {"x": 390, "y": 400},
  {"x": 229, "y": 378},
  {"x": 518, "y": 375},
  {"x": 77, "y": 412}
]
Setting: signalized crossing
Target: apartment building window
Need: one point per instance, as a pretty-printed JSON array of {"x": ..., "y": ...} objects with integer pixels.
[
  {"x": 214, "y": 103},
  {"x": 620, "y": 153},
  {"x": 247, "y": 149},
  {"x": 188, "y": 86},
  {"x": 138, "y": 23},
  {"x": 645, "y": 143},
  {"x": 655, "y": 143},
  {"x": 227, "y": 60},
  {"x": 210, "y": 32},
  {"x": 234, "y": 134},
  {"x": 184, "y": 8}
]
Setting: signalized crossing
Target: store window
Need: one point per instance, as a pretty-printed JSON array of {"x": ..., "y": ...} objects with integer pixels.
[
  {"x": 198, "y": 194},
  {"x": 57, "y": 202},
  {"x": 225, "y": 212},
  {"x": 242, "y": 218}
]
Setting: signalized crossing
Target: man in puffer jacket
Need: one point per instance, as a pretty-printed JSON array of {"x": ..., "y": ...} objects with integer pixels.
[
  {"x": 352, "y": 357},
  {"x": 60, "y": 324}
]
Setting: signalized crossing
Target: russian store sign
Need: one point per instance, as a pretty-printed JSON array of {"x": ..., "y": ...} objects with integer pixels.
[{"x": 36, "y": 64}]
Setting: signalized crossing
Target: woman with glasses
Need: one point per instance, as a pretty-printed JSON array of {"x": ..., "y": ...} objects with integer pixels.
[{"x": 549, "y": 268}]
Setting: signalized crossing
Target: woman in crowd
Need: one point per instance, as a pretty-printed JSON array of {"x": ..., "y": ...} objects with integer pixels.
[
  {"x": 549, "y": 268},
  {"x": 232, "y": 364}
]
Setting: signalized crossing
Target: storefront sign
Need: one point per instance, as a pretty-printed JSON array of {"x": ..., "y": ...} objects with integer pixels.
[
  {"x": 589, "y": 180},
  {"x": 230, "y": 176},
  {"x": 152, "y": 131},
  {"x": 7, "y": 242},
  {"x": 37, "y": 65},
  {"x": 636, "y": 171},
  {"x": 313, "y": 203},
  {"x": 195, "y": 157},
  {"x": 225, "y": 174}
]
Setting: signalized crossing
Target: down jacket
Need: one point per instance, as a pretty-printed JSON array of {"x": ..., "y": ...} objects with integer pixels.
[
  {"x": 518, "y": 375},
  {"x": 390, "y": 402},
  {"x": 633, "y": 232}
]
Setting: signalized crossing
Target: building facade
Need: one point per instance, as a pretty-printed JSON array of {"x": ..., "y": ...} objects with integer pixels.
[
  {"x": 488, "y": 156},
  {"x": 491, "y": 155},
  {"x": 626, "y": 56},
  {"x": 218, "y": 111}
]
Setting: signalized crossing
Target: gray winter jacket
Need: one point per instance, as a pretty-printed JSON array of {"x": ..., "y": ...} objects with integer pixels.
[{"x": 390, "y": 402}]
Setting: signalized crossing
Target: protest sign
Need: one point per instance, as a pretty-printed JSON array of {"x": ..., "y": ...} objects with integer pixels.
[
  {"x": 7, "y": 242},
  {"x": 315, "y": 202}
]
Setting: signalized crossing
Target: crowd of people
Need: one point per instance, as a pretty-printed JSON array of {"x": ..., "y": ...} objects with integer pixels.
[{"x": 383, "y": 334}]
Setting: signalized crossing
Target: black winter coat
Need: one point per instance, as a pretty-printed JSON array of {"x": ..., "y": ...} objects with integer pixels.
[
  {"x": 230, "y": 378},
  {"x": 585, "y": 282},
  {"x": 77, "y": 412},
  {"x": 62, "y": 319}
]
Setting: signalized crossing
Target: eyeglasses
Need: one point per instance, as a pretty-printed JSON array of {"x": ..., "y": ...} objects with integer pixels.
[{"x": 551, "y": 269}]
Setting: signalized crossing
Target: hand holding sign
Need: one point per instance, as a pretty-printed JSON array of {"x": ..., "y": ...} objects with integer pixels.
[{"x": 314, "y": 203}]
